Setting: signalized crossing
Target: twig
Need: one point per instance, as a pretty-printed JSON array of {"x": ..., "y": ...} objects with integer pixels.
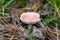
[
  {"x": 14, "y": 32},
  {"x": 57, "y": 33}
]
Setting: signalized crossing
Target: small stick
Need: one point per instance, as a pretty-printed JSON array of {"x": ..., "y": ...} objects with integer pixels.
[
  {"x": 14, "y": 32},
  {"x": 57, "y": 33}
]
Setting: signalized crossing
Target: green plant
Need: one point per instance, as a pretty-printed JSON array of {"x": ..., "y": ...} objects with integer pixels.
[
  {"x": 56, "y": 22},
  {"x": 56, "y": 5},
  {"x": 30, "y": 37},
  {"x": 23, "y": 2},
  {"x": 3, "y": 6},
  {"x": 50, "y": 19}
]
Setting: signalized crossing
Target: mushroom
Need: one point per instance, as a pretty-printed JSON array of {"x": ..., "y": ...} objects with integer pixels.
[{"x": 30, "y": 18}]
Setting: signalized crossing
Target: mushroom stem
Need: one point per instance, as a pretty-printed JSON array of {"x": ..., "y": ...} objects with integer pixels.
[{"x": 29, "y": 27}]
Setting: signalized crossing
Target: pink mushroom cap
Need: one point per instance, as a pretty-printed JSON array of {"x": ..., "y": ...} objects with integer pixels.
[{"x": 30, "y": 17}]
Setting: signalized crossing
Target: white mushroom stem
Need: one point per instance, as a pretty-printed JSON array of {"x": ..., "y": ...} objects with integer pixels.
[{"x": 29, "y": 27}]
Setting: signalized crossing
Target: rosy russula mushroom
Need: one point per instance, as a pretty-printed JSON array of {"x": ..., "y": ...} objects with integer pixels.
[{"x": 30, "y": 18}]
